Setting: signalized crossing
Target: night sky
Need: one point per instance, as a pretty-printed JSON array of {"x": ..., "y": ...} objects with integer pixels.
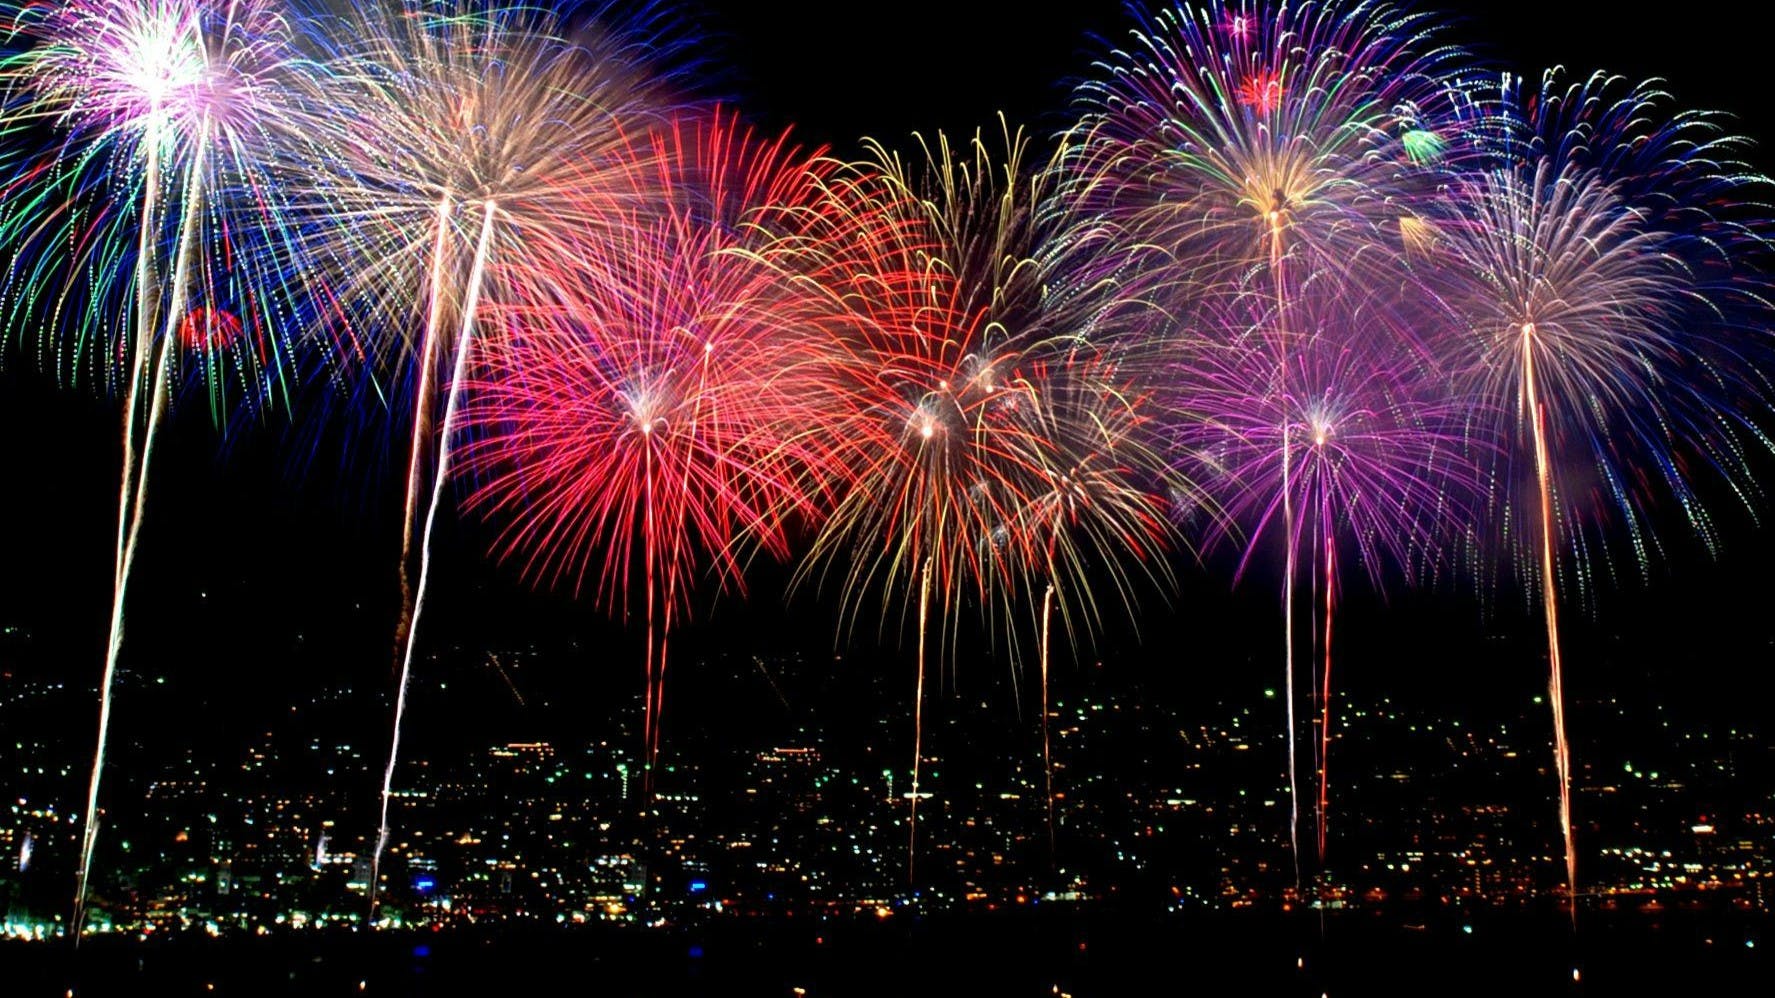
[{"x": 262, "y": 574}]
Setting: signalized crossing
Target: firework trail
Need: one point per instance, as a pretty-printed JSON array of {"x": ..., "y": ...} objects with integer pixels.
[
  {"x": 458, "y": 377},
  {"x": 1596, "y": 269},
  {"x": 924, "y": 616},
  {"x": 476, "y": 144},
  {"x": 627, "y": 427},
  {"x": 115, "y": 97},
  {"x": 1244, "y": 139},
  {"x": 1365, "y": 453},
  {"x": 1047, "y": 743},
  {"x": 1095, "y": 532}
]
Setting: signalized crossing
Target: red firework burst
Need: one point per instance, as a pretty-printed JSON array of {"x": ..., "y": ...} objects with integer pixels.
[
  {"x": 924, "y": 436},
  {"x": 626, "y": 421},
  {"x": 1261, "y": 91}
]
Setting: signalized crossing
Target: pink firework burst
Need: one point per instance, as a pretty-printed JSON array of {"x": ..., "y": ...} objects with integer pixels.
[
  {"x": 626, "y": 421},
  {"x": 1330, "y": 438}
]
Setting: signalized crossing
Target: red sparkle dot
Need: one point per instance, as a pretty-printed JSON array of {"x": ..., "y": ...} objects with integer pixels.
[
  {"x": 1262, "y": 91},
  {"x": 209, "y": 328}
]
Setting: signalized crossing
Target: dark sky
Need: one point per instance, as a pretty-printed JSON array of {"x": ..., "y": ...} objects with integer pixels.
[
  {"x": 254, "y": 570},
  {"x": 840, "y": 70}
]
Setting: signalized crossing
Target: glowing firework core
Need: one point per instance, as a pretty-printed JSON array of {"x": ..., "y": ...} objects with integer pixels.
[{"x": 160, "y": 61}]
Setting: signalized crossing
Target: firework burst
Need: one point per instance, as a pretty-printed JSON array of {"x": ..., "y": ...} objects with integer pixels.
[
  {"x": 1600, "y": 289},
  {"x": 1230, "y": 135},
  {"x": 927, "y": 454},
  {"x": 148, "y": 206},
  {"x": 1291, "y": 143},
  {"x": 1363, "y": 455},
  {"x": 627, "y": 423},
  {"x": 477, "y": 146},
  {"x": 955, "y": 397},
  {"x": 154, "y": 133},
  {"x": 1003, "y": 241}
]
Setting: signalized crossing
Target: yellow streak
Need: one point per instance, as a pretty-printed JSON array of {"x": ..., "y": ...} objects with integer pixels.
[
  {"x": 924, "y": 606},
  {"x": 1047, "y": 756},
  {"x": 1550, "y": 605},
  {"x": 422, "y": 423}
]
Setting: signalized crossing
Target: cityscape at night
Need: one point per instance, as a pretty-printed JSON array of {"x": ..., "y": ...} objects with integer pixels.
[
  {"x": 1171, "y": 810},
  {"x": 1162, "y": 808},
  {"x": 680, "y": 499}
]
